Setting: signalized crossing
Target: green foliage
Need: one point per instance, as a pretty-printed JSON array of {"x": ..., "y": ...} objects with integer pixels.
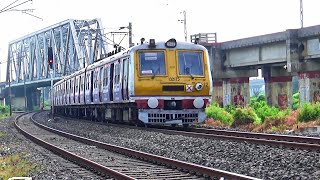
[
  {"x": 263, "y": 111},
  {"x": 220, "y": 114},
  {"x": 244, "y": 116},
  {"x": 258, "y": 98},
  {"x": 230, "y": 109},
  {"x": 296, "y": 100},
  {"x": 4, "y": 109},
  {"x": 309, "y": 112},
  {"x": 261, "y": 98},
  {"x": 14, "y": 165},
  {"x": 4, "y": 112}
]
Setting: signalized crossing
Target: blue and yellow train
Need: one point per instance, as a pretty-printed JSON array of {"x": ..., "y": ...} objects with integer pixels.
[{"x": 153, "y": 83}]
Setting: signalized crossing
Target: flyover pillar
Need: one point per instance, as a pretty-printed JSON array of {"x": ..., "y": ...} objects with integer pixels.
[
  {"x": 33, "y": 98},
  {"x": 236, "y": 91},
  {"x": 218, "y": 92},
  {"x": 278, "y": 87},
  {"x": 309, "y": 86}
]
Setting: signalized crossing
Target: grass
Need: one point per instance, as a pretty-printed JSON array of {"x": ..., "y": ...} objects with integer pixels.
[
  {"x": 15, "y": 165},
  {"x": 2, "y": 134},
  {"x": 4, "y": 116}
]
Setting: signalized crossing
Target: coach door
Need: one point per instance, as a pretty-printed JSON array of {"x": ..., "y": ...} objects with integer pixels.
[
  {"x": 100, "y": 84},
  {"x": 111, "y": 82},
  {"x": 116, "y": 82},
  {"x": 125, "y": 79}
]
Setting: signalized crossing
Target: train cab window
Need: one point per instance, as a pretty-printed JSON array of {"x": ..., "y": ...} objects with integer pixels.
[
  {"x": 190, "y": 63},
  {"x": 152, "y": 63}
]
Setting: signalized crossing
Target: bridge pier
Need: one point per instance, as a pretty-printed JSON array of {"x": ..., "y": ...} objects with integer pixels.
[
  {"x": 236, "y": 91},
  {"x": 309, "y": 86},
  {"x": 19, "y": 102},
  {"x": 278, "y": 87},
  {"x": 217, "y": 95},
  {"x": 279, "y": 91}
]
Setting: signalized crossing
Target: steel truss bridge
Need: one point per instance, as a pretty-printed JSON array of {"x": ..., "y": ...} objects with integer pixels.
[{"x": 75, "y": 44}]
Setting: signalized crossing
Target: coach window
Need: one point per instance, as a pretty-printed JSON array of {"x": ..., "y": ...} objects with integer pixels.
[
  {"x": 117, "y": 74},
  {"x": 190, "y": 63},
  {"x": 81, "y": 83},
  {"x": 94, "y": 79},
  {"x": 88, "y": 81},
  {"x": 152, "y": 63},
  {"x": 105, "y": 76}
]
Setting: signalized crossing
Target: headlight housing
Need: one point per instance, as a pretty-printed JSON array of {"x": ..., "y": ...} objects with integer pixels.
[{"x": 199, "y": 86}]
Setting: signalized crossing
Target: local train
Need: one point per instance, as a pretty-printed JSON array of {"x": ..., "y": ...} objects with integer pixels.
[{"x": 150, "y": 83}]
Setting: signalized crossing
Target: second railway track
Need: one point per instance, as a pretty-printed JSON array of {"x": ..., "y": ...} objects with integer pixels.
[
  {"x": 115, "y": 161},
  {"x": 290, "y": 141}
]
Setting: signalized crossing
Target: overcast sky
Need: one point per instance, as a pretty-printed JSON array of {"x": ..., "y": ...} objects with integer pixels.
[{"x": 158, "y": 19}]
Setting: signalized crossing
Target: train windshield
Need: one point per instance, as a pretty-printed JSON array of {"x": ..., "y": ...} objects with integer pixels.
[
  {"x": 152, "y": 63},
  {"x": 190, "y": 63}
]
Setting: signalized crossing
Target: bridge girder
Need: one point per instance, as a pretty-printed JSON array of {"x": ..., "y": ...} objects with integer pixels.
[{"x": 75, "y": 43}]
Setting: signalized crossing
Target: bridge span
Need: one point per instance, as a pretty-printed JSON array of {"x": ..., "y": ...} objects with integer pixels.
[
  {"x": 280, "y": 56},
  {"x": 75, "y": 44}
]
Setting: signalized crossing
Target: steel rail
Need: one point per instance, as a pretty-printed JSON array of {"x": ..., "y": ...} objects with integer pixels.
[
  {"x": 150, "y": 157},
  {"x": 279, "y": 137},
  {"x": 70, "y": 156},
  {"x": 247, "y": 137}
]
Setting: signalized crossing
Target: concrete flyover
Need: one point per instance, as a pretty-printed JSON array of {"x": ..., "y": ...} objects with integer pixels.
[{"x": 280, "y": 56}]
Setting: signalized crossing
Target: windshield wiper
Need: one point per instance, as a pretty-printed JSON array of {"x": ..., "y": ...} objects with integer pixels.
[
  {"x": 153, "y": 75},
  {"x": 188, "y": 71},
  {"x": 192, "y": 77}
]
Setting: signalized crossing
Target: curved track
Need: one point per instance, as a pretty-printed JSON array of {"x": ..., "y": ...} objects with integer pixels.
[{"x": 115, "y": 161}]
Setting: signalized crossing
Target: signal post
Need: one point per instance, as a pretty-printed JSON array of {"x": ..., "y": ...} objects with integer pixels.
[{"x": 50, "y": 63}]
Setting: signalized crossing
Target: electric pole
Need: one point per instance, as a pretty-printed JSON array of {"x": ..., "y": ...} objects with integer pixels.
[
  {"x": 301, "y": 13},
  {"x": 184, "y": 21},
  {"x": 130, "y": 34}
]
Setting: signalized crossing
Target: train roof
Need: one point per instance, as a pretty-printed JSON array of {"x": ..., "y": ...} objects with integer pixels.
[
  {"x": 144, "y": 46},
  {"x": 161, "y": 45}
]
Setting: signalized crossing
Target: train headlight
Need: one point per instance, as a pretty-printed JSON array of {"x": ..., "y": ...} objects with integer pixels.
[
  {"x": 198, "y": 102},
  {"x": 172, "y": 104},
  {"x": 199, "y": 86},
  {"x": 153, "y": 102},
  {"x": 171, "y": 43}
]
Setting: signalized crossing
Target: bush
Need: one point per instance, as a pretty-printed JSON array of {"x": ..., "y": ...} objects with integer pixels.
[
  {"x": 230, "y": 109},
  {"x": 263, "y": 110},
  {"x": 309, "y": 112},
  {"x": 261, "y": 98},
  {"x": 220, "y": 114},
  {"x": 244, "y": 116},
  {"x": 296, "y": 100},
  {"x": 4, "y": 109}
]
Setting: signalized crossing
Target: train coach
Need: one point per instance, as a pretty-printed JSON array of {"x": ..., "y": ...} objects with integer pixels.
[{"x": 150, "y": 83}]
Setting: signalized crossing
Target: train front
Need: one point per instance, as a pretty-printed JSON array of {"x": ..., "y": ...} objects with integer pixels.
[{"x": 172, "y": 82}]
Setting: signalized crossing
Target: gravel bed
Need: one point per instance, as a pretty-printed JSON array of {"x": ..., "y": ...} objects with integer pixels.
[
  {"x": 49, "y": 165},
  {"x": 254, "y": 160}
]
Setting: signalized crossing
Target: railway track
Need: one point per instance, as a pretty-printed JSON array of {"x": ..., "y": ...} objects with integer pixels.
[
  {"x": 289, "y": 141},
  {"x": 277, "y": 140},
  {"x": 114, "y": 161}
]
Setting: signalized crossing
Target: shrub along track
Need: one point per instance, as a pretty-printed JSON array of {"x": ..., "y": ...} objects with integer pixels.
[
  {"x": 300, "y": 142},
  {"x": 118, "y": 162}
]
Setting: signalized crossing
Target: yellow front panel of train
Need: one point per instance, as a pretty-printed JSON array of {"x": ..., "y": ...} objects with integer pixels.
[{"x": 171, "y": 72}]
